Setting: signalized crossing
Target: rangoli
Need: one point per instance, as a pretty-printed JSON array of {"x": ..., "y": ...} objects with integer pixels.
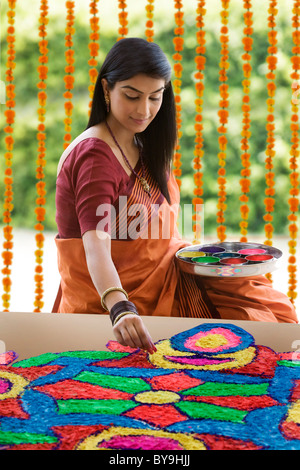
[{"x": 210, "y": 387}]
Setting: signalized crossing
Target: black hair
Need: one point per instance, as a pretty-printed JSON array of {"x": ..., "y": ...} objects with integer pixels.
[{"x": 127, "y": 58}]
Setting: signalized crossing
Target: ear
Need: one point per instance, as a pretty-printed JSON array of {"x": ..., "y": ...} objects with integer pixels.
[
  {"x": 106, "y": 94},
  {"x": 105, "y": 87}
]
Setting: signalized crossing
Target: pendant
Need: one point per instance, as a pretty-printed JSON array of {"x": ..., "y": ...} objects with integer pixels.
[{"x": 145, "y": 186}]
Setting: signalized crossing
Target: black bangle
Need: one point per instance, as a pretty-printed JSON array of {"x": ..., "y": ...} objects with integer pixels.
[{"x": 120, "y": 307}]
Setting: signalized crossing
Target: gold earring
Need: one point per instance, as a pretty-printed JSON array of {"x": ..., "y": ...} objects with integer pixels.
[{"x": 107, "y": 103}]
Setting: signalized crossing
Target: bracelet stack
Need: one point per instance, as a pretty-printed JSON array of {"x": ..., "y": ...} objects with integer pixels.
[
  {"x": 120, "y": 309},
  {"x": 111, "y": 289}
]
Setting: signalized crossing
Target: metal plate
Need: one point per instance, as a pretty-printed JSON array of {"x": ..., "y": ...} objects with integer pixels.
[{"x": 251, "y": 268}]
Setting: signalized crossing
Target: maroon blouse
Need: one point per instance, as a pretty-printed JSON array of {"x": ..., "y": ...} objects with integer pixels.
[{"x": 90, "y": 176}]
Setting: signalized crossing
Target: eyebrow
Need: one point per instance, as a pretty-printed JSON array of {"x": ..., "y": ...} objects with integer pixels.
[{"x": 141, "y": 92}]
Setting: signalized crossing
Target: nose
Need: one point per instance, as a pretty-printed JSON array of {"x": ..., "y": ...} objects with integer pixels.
[{"x": 143, "y": 107}]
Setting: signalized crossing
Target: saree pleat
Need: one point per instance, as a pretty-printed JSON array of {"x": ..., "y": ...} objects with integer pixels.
[{"x": 193, "y": 300}]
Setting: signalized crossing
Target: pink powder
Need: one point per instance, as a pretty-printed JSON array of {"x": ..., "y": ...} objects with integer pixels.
[
  {"x": 232, "y": 340},
  {"x": 195, "y": 361},
  {"x": 142, "y": 442},
  {"x": 4, "y": 386},
  {"x": 251, "y": 251}
]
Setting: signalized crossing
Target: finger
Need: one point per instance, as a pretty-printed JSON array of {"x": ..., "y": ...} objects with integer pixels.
[
  {"x": 119, "y": 337},
  {"x": 135, "y": 334},
  {"x": 121, "y": 331},
  {"x": 145, "y": 338},
  {"x": 141, "y": 335},
  {"x": 129, "y": 332}
]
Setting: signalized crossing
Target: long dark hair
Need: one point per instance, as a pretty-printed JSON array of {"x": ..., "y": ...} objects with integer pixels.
[{"x": 127, "y": 58}]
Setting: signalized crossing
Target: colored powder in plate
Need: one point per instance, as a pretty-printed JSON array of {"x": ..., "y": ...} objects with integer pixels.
[
  {"x": 190, "y": 254},
  {"x": 231, "y": 261},
  {"x": 259, "y": 258},
  {"x": 252, "y": 251},
  {"x": 227, "y": 254},
  {"x": 206, "y": 260},
  {"x": 212, "y": 249}
]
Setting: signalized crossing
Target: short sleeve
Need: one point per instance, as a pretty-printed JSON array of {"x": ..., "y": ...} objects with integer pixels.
[{"x": 93, "y": 175}]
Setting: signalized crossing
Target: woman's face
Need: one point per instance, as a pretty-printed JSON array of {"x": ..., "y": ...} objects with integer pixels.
[{"x": 135, "y": 102}]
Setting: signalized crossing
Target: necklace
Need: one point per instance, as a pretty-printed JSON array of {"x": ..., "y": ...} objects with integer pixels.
[{"x": 142, "y": 179}]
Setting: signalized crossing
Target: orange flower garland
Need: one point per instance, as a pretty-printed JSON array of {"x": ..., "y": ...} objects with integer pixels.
[
  {"x": 94, "y": 48},
  {"x": 41, "y": 162},
  {"x": 294, "y": 153},
  {"x": 270, "y": 150},
  {"x": 149, "y": 23},
  {"x": 245, "y": 157},
  {"x": 223, "y": 118},
  {"x": 178, "y": 42},
  {"x": 123, "y": 30},
  {"x": 9, "y": 114},
  {"x": 69, "y": 69},
  {"x": 198, "y": 151}
]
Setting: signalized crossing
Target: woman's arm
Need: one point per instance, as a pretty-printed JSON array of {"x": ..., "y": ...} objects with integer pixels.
[{"x": 130, "y": 329}]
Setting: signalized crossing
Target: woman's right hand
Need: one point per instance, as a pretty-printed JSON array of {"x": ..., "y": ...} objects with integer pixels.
[{"x": 131, "y": 331}]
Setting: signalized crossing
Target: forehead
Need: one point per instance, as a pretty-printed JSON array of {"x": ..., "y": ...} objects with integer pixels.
[{"x": 143, "y": 83}]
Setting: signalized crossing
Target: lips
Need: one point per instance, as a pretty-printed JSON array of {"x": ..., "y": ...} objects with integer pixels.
[{"x": 141, "y": 122}]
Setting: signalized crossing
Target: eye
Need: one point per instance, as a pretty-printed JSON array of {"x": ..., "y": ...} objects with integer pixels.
[
  {"x": 131, "y": 97},
  {"x": 156, "y": 97}
]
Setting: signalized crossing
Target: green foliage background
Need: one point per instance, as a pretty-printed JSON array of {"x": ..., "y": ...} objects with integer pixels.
[{"x": 26, "y": 78}]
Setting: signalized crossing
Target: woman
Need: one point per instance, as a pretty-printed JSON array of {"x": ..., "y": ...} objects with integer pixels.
[{"x": 117, "y": 206}]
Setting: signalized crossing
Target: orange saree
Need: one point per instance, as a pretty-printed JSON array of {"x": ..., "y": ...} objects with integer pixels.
[
  {"x": 145, "y": 261},
  {"x": 146, "y": 264}
]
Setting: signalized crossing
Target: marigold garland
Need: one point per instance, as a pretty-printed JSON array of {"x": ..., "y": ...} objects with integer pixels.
[
  {"x": 94, "y": 48},
  {"x": 198, "y": 150},
  {"x": 9, "y": 114},
  {"x": 294, "y": 153},
  {"x": 178, "y": 42},
  {"x": 69, "y": 70},
  {"x": 149, "y": 32},
  {"x": 223, "y": 119},
  {"x": 41, "y": 162},
  {"x": 223, "y": 115},
  {"x": 270, "y": 150},
  {"x": 246, "y": 134},
  {"x": 123, "y": 30}
]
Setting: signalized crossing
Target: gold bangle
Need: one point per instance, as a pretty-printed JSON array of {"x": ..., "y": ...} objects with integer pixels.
[
  {"x": 111, "y": 289},
  {"x": 123, "y": 315}
]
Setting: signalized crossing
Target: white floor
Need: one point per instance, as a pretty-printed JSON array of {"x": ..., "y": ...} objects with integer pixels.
[{"x": 22, "y": 293}]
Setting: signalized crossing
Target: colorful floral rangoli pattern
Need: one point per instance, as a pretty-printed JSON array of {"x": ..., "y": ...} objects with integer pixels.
[{"x": 210, "y": 387}]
